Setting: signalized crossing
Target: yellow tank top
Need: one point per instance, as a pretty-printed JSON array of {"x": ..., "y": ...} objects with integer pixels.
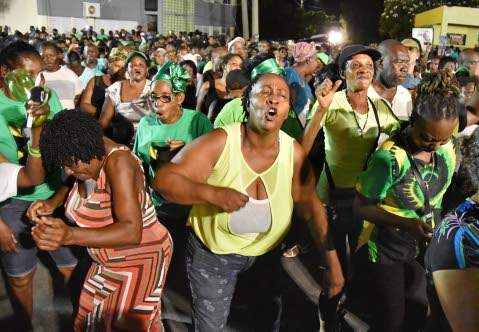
[{"x": 211, "y": 225}]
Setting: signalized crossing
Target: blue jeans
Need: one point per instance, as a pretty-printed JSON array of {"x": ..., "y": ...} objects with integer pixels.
[{"x": 213, "y": 281}]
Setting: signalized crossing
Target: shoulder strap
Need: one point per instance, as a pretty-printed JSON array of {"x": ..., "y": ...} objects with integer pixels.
[{"x": 327, "y": 170}]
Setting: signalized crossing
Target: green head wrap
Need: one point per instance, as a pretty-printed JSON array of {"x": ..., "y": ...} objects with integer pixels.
[
  {"x": 269, "y": 66},
  {"x": 173, "y": 74}
]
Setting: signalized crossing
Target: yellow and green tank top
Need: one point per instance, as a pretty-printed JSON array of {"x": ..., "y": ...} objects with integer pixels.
[{"x": 211, "y": 225}]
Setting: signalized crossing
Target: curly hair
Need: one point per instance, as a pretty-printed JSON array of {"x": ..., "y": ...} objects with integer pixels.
[
  {"x": 437, "y": 97},
  {"x": 70, "y": 137}
]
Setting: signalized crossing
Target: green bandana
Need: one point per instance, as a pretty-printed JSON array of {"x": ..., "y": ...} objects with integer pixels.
[
  {"x": 173, "y": 74},
  {"x": 269, "y": 66}
]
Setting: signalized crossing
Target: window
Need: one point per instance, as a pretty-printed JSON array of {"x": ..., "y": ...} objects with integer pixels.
[{"x": 151, "y": 5}]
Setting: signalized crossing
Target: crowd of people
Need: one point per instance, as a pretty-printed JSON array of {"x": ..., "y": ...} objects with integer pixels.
[{"x": 114, "y": 141}]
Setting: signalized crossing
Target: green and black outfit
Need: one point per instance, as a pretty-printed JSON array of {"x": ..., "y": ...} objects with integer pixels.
[{"x": 385, "y": 264}]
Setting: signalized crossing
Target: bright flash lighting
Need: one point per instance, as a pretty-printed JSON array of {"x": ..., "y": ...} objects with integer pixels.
[{"x": 335, "y": 37}]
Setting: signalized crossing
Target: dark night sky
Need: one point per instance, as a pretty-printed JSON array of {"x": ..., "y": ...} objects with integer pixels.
[{"x": 362, "y": 14}]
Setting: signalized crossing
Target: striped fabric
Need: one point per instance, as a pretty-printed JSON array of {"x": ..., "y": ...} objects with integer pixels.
[{"x": 123, "y": 288}]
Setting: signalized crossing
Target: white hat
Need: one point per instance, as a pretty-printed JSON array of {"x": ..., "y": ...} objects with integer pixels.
[{"x": 236, "y": 39}]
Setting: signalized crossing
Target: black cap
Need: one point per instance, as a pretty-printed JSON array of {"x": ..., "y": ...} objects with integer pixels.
[{"x": 351, "y": 50}]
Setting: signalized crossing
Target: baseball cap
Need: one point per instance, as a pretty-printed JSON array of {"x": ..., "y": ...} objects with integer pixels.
[{"x": 351, "y": 50}]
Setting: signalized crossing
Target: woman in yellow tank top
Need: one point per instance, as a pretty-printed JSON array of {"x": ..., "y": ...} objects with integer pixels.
[{"x": 243, "y": 181}]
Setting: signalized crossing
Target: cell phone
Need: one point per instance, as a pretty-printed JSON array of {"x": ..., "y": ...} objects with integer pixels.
[{"x": 38, "y": 95}]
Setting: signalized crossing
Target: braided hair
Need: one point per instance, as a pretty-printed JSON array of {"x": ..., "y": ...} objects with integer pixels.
[
  {"x": 70, "y": 137},
  {"x": 437, "y": 98}
]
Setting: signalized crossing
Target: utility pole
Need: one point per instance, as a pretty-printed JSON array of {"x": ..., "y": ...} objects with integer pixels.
[
  {"x": 254, "y": 21},
  {"x": 245, "y": 18}
]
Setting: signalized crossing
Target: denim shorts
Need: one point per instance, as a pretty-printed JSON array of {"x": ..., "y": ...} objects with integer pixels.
[{"x": 24, "y": 260}]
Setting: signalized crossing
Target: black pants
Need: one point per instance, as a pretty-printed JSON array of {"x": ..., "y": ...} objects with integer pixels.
[{"x": 392, "y": 295}]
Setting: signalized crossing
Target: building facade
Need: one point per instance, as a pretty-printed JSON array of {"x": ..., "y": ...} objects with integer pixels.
[
  {"x": 452, "y": 26},
  {"x": 210, "y": 16}
]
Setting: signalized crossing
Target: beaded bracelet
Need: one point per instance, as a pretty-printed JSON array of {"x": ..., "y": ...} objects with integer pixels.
[{"x": 33, "y": 152}]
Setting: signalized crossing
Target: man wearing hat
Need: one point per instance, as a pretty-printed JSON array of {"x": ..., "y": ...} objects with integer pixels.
[
  {"x": 414, "y": 49},
  {"x": 298, "y": 76},
  {"x": 391, "y": 71}
]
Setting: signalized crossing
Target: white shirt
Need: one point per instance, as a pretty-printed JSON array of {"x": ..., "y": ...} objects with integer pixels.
[
  {"x": 8, "y": 180},
  {"x": 402, "y": 102},
  {"x": 65, "y": 83}
]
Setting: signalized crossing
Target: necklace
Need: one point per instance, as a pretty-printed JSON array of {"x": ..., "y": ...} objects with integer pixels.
[{"x": 360, "y": 129}]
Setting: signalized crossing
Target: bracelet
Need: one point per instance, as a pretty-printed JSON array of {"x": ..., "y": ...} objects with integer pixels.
[{"x": 33, "y": 152}]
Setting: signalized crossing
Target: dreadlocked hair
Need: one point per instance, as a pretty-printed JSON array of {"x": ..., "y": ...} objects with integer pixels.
[
  {"x": 70, "y": 137},
  {"x": 245, "y": 100},
  {"x": 437, "y": 97}
]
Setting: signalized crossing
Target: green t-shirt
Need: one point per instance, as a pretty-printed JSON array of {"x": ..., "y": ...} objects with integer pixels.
[
  {"x": 102, "y": 37},
  {"x": 191, "y": 125},
  {"x": 345, "y": 147},
  {"x": 389, "y": 181},
  {"x": 233, "y": 112},
  {"x": 12, "y": 119}
]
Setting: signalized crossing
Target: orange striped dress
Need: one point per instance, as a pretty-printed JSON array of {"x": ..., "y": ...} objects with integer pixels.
[{"x": 123, "y": 288}]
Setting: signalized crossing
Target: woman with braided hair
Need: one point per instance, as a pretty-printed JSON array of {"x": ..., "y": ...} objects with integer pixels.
[{"x": 399, "y": 196}]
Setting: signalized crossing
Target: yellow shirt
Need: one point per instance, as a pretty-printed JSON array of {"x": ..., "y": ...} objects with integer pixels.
[
  {"x": 211, "y": 225},
  {"x": 346, "y": 150}
]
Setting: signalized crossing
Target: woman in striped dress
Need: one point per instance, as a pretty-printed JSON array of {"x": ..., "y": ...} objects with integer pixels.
[{"x": 130, "y": 248}]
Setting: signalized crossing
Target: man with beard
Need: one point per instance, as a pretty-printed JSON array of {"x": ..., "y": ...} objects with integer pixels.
[{"x": 391, "y": 71}]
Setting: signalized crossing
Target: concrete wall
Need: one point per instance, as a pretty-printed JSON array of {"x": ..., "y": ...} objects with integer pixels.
[{"x": 128, "y": 10}]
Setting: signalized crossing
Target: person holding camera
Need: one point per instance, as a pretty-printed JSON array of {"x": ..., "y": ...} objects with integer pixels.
[{"x": 399, "y": 196}]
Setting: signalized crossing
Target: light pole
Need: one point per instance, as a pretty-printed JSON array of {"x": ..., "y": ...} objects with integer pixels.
[
  {"x": 245, "y": 18},
  {"x": 254, "y": 21}
]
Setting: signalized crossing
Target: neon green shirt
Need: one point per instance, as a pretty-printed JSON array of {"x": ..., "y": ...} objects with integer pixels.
[
  {"x": 12, "y": 119},
  {"x": 346, "y": 150},
  {"x": 212, "y": 226}
]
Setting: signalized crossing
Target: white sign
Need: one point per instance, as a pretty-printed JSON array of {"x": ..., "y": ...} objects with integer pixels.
[
  {"x": 91, "y": 9},
  {"x": 424, "y": 35}
]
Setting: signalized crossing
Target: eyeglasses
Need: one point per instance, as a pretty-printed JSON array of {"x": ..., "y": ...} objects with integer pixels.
[{"x": 165, "y": 99}]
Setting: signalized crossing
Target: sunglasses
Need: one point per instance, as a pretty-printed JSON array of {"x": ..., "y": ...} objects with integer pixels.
[{"x": 165, "y": 99}]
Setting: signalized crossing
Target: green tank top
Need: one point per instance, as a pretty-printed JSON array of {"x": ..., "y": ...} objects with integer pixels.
[{"x": 211, "y": 225}]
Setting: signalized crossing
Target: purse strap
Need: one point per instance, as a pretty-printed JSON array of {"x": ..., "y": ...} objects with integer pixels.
[{"x": 329, "y": 176}]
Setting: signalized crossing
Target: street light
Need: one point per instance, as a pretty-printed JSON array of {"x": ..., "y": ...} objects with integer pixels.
[{"x": 335, "y": 37}]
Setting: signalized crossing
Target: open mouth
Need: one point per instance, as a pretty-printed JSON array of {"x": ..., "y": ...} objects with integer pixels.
[{"x": 271, "y": 114}]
